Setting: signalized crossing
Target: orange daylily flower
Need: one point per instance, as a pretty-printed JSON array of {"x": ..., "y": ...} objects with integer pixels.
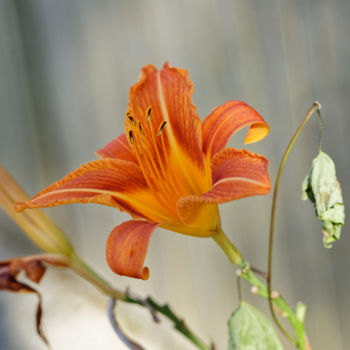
[{"x": 168, "y": 169}]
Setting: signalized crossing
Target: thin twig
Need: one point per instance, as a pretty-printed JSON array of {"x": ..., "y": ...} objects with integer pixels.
[
  {"x": 315, "y": 106},
  {"x": 179, "y": 324},
  {"x": 86, "y": 272},
  {"x": 320, "y": 121}
]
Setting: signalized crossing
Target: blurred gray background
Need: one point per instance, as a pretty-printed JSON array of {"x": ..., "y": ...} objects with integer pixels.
[{"x": 65, "y": 71}]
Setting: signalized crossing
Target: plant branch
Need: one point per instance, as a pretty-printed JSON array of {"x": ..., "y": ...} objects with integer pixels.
[
  {"x": 86, "y": 272},
  {"x": 315, "y": 106},
  {"x": 277, "y": 300},
  {"x": 165, "y": 310},
  {"x": 261, "y": 289}
]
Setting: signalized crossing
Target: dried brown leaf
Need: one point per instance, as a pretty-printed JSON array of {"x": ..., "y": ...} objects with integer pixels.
[{"x": 34, "y": 269}]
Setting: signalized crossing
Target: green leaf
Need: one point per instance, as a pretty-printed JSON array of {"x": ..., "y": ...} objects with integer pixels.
[
  {"x": 323, "y": 189},
  {"x": 249, "y": 329}
]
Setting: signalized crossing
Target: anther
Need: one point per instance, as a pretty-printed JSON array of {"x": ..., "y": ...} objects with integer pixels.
[
  {"x": 148, "y": 113},
  {"x": 161, "y": 128},
  {"x": 141, "y": 130},
  {"x": 131, "y": 138},
  {"x": 130, "y": 117}
]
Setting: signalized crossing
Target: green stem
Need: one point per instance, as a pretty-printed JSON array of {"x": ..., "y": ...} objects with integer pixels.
[
  {"x": 165, "y": 310},
  {"x": 227, "y": 246},
  {"x": 248, "y": 274},
  {"x": 86, "y": 272},
  {"x": 300, "y": 336},
  {"x": 277, "y": 300}
]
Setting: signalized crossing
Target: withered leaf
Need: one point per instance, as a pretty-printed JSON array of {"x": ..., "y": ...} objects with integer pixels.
[
  {"x": 323, "y": 189},
  {"x": 34, "y": 270}
]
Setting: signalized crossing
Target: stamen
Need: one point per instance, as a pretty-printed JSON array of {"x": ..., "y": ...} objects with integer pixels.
[
  {"x": 130, "y": 117},
  {"x": 131, "y": 138},
  {"x": 141, "y": 130},
  {"x": 161, "y": 128},
  {"x": 148, "y": 113}
]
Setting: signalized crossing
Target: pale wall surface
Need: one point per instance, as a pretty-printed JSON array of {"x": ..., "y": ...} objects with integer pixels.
[{"x": 65, "y": 70}]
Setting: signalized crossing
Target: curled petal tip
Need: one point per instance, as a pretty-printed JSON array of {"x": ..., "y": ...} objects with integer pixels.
[
  {"x": 226, "y": 120},
  {"x": 257, "y": 132},
  {"x": 127, "y": 246}
]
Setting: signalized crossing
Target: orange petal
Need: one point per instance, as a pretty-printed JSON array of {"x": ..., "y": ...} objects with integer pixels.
[
  {"x": 126, "y": 248},
  {"x": 236, "y": 174},
  {"x": 169, "y": 94},
  {"x": 119, "y": 148},
  {"x": 113, "y": 182},
  {"x": 165, "y": 132},
  {"x": 227, "y": 119}
]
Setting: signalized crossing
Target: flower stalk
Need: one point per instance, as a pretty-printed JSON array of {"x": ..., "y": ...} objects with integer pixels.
[
  {"x": 91, "y": 276},
  {"x": 228, "y": 247}
]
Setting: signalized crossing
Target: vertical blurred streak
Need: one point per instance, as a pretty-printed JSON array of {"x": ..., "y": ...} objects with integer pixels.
[
  {"x": 30, "y": 48},
  {"x": 16, "y": 144},
  {"x": 36, "y": 23},
  {"x": 15, "y": 102},
  {"x": 18, "y": 150},
  {"x": 4, "y": 331}
]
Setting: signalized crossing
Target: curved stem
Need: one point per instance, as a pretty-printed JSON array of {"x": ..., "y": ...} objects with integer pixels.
[
  {"x": 315, "y": 106},
  {"x": 320, "y": 123}
]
